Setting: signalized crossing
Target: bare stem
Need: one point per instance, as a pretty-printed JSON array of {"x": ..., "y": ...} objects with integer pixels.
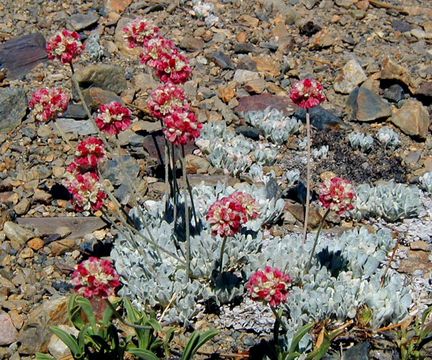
[
  {"x": 389, "y": 262},
  {"x": 308, "y": 176},
  {"x": 186, "y": 215},
  {"x": 309, "y": 263},
  {"x": 221, "y": 254},
  {"x": 63, "y": 135}
]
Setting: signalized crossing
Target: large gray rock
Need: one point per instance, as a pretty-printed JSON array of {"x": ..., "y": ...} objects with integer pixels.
[
  {"x": 8, "y": 333},
  {"x": 368, "y": 106},
  {"x": 13, "y": 108},
  {"x": 106, "y": 77},
  {"x": 412, "y": 118}
]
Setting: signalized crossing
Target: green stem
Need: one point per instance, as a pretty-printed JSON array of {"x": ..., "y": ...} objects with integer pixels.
[
  {"x": 123, "y": 321},
  {"x": 186, "y": 216},
  {"x": 221, "y": 254},
  {"x": 309, "y": 263},
  {"x": 308, "y": 175}
]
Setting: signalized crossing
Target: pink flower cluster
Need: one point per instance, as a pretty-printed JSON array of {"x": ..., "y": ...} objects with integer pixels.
[
  {"x": 113, "y": 118},
  {"x": 269, "y": 286},
  {"x": 47, "y": 103},
  {"x": 88, "y": 155},
  {"x": 307, "y": 93},
  {"x": 166, "y": 99},
  {"x": 166, "y": 59},
  {"x": 337, "y": 194},
  {"x": 227, "y": 215},
  {"x": 85, "y": 189},
  {"x": 181, "y": 126},
  {"x": 95, "y": 278},
  {"x": 65, "y": 46},
  {"x": 139, "y": 31}
]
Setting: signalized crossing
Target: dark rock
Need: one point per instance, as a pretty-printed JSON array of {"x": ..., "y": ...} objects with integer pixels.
[
  {"x": 358, "y": 352},
  {"x": 79, "y": 127},
  {"x": 368, "y": 106},
  {"x": 8, "y": 333},
  {"x": 249, "y": 132},
  {"x": 244, "y": 48},
  {"x": 320, "y": 118},
  {"x": 106, "y": 77},
  {"x": 13, "y": 108},
  {"x": 247, "y": 63},
  {"x": 425, "y": 89},
  {"x": 115, "y": 173},
  {"x": 309, "y": 29},
  {"x": 273, "y": 191},
  {"x": 22, "y": 54},
  {"x": 263, "y": 101},
  {"x": 75, "y": 111},
  {"x": 401, "y": 26},
  {"x": 222, "y": 60},
  {"x": 394, "y": 93},
  {"x": 83, "y": 21}
]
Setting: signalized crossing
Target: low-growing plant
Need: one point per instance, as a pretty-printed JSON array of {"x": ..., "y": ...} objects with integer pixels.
[
  {"x": 426, "y": 181},
  {"x": 361, "y": 141},
  {"x": 388, "y": 137}
]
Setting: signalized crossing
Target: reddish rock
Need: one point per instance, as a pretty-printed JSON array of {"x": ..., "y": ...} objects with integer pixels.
[
  {"x": 412, "y": 118},
  {"x": 8, "y": 333},
  {"x": 263, "y": 101},
  {"x": 118, "y": 6}
]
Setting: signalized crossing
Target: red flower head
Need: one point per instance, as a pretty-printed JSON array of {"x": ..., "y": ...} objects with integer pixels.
[
  {"x": 47, "y": 103},
  {"x": 181, "y": 127},
  {"x": 169, "y": 63},
  {"x": 248, "y": 202},
  {"x": 89, "y": 153},
  {"x": 226, "y": 216},
  {"x": 113, "y": 118},
  {"x": 337, "y": 194},
  {"x": 86, "y": 191},
  {"x": 165, "y": 99},
  {"x": 307, "y": 93},
  {"x": 138, "y": 31},
  {"x": 269, "y": 285},
  {"x": 95, "y": 278},
  {"x": 65, "y": 46}
]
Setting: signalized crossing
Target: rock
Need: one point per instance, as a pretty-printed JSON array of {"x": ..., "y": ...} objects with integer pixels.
[
  {"x": 191, "y": 43},
  {"x": 368, "y": 106},
  {"x": 60, "y": 247},
  {"x": 75, "y": 111},
  {"x": 42, "y": 196},
  {"x": 244, "y": 48},
  {"x": 393, "y": 71},
  {"x": 351, "y": 75},
  {"x": 83, "y": 21},
  {"x": 8, "y": 333},
  {"x": 267, "y": 65},
  {"x": 144, "y": 82},
  {"x": 36, "y": 244},
  {"x": 297, "y": 210},
  {"x": 106, "y": 77},
  {"x": 26, "y": 253},
  {"x": 22, "y": 207},
  {"x": 35, "y": 334},
  {"x": 321, "y": 118},
  {"x": 401, "y": 26},
  {"x": 119, "y": 174},
  {"x": 80, "y": 127},
  {"x": 58, "y": 348},
  {"x": 118, "y": 6},
  {"x": 255, "y": 86},
  {"x": 416, "y": 260},
  {"x": 394, "y": 93},
  {"x": 227, "y": 93},
  {"x": 196, "y": 164},
  {"x": 264, "y": 101},
  {"x": 425, "y": 89},
  {"x": 309, "y": 4},
  {"x": 420, "y": 245},
  {"x": 120, "y": 41},
  {"x": 412, "y": 118},
  {"x": 249, "y": 132},
  {"x": 17, "y": 234},
  {"x": 323, "y": 39},
  {"x": 22, "y": 54},
  {"x": 248, "y": 20},
  {"x": 346, "y": 4},
  {"x": 222, "y": 60},
  {"x": 243, "y": 76},
  {"x": 309, "y": 29},
  {"x": 96, "y": 96},
  {"x": 13, "y": 108}
]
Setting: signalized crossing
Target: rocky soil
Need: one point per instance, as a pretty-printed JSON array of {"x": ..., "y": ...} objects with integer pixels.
[{"x": 373, "y": 57}]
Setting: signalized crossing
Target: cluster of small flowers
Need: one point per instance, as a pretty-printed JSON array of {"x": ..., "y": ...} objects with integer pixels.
[
  {"x": 47, "y": 103},
  {"x": 165, "y": 99},
  {"x": 269, "y": 286},
  {"x": 227, "y": 215},
  {"x": 159, "y": 52},
  {"x": 181, "y": 126},
  {"x": 338, "y": 195},
  {"x": 85, "y": 189},
  {"x": 95, "y": 278},
  {"x": 307, "y": 93},
  {"x": 113, "y": 118},
  {"x": 65, "y": 46},
  {"x": 88, "y": 155}
]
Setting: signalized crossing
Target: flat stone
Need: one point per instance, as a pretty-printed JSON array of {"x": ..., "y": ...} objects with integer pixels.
[
  {"x": 263, "y": 101},
  {"x": 196, "y": 164},
  {"x": 83, "y": 21},
  {"x": 401, "y": 26},
  {"x": 368, "y": 106},
  {"x": 416, "y": 260},
  {"x": 191, "y": 43},
  {"x": 243, "y": 76},
  {"x": 79, "y": 226},
  {"x": 8, "y": 333},
  {"x": 17, "y": 234},
  {"x": 420, "y": 245},
  {"x": 20, "y": 55},
  {"x": 75, "y": 111},
  {"x": 13, "y": 108},
  {"x": 267, "y": 65},
  {"x": 255, "y": 86},
  {"x": 58, "y": 348},
  {"x": 80, "y": 127},
  {"x": 350, "y": 76},
  {"x": 106, "y": 77},
  {"x": 297, "y": 210},
  {"x": 222, "y": 60},
  {"x": 393, "y": 71},
  {"x": 412, "y": 118}
]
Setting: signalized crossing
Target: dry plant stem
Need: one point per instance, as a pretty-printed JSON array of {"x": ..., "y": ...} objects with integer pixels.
[
  {"x": 123, "y": 321},
  {"x": 63, "y": 135},
  {"x": 186, "y": 215},
  {"x": 389, "y": 262},
  {"x": 308, "y": 175},
  {"x": 168, "y": 306},
  {"x": 174, "y": 181},
  {"x": 309, "y": 263},
  {"x": 222, "y": 253},
  {"x": 189, "y": 188}
]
